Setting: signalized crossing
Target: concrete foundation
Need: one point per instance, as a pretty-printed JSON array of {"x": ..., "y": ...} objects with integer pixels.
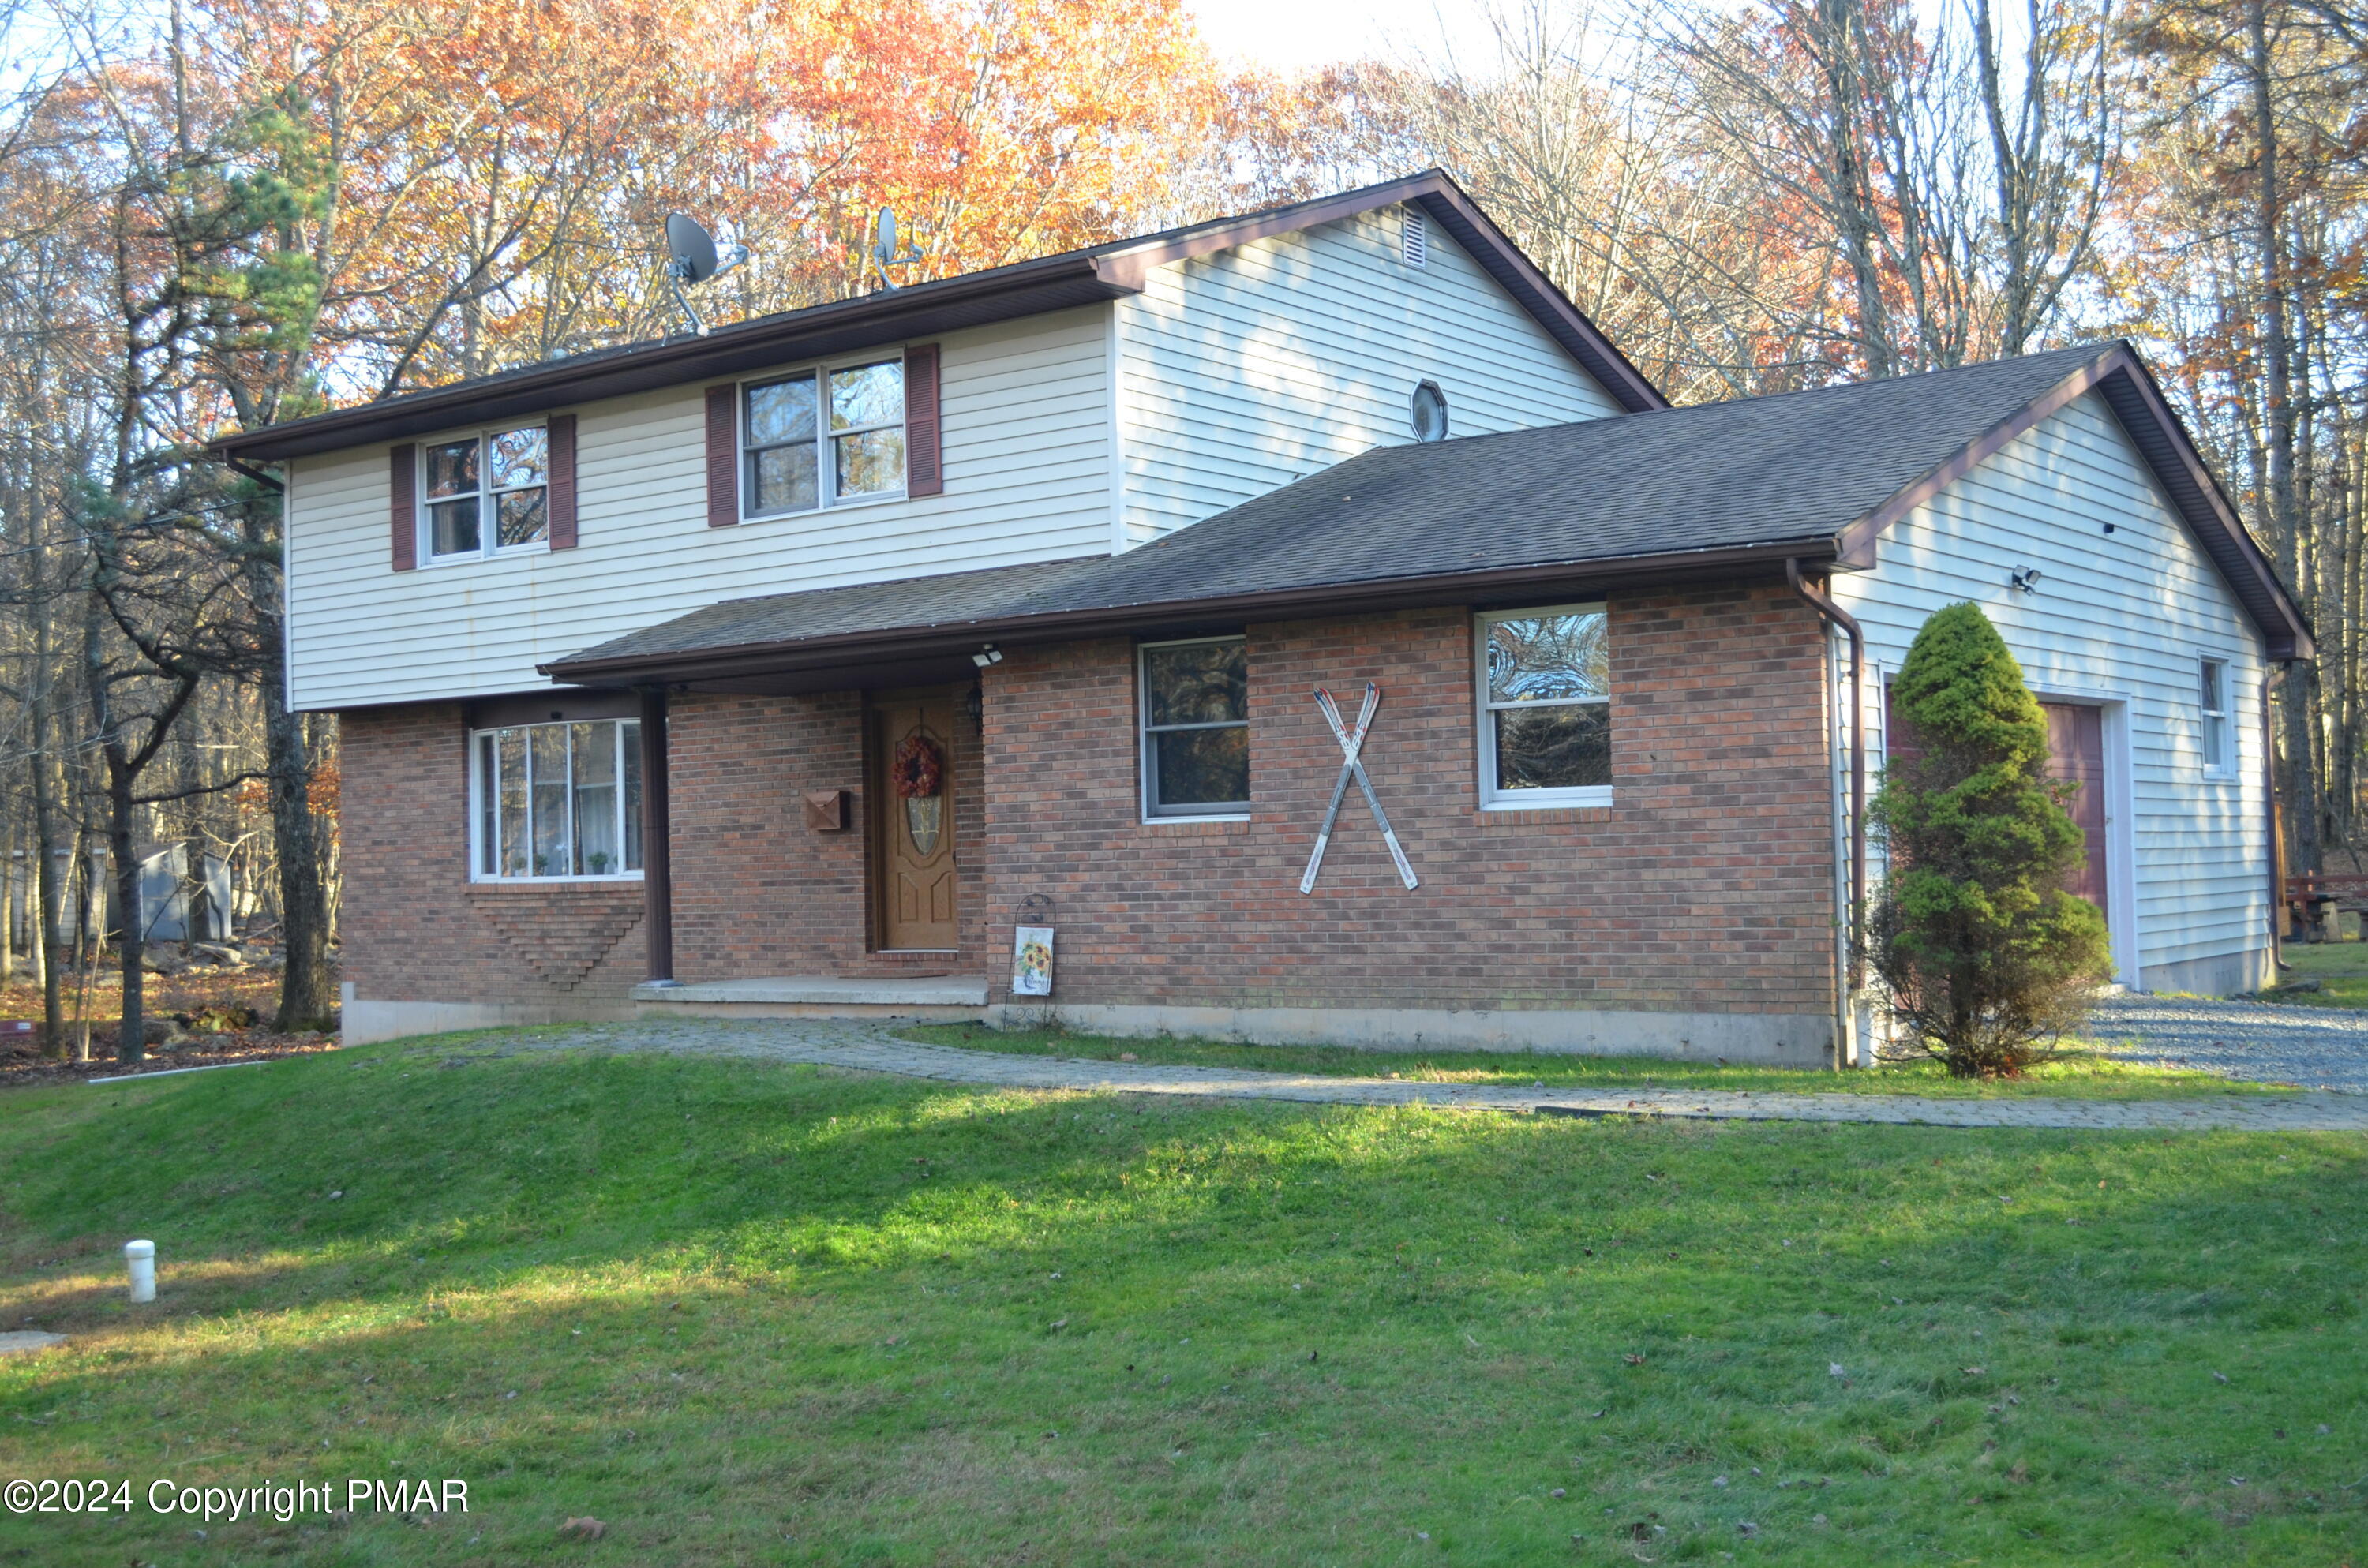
[
  {"x": 361, "y": 1022},
  {"x": 1775, "y": 1040},
  {"x": 927, "y": 999},
  {"x": 2226, "y": 975}
]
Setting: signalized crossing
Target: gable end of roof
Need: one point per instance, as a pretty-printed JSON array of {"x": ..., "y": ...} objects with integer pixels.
[{"x": 2119, "y": 375}]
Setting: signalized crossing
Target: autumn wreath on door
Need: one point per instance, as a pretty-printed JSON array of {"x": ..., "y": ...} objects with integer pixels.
[{"x": 919, "y": 774}]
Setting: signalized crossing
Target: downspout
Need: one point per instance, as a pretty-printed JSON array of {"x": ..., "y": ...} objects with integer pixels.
[
  {"x": 1852, "y": 963},
  {"x": 2277, "y": 844}
]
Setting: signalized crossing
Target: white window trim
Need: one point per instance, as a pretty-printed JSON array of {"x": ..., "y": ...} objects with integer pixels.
[
  {"x": 825, "y": 471},
  {"x": 1484, "y": 729},
  {"x": 422, "y": 511},
  {"x": 476, "y": 810},
  {"x": 1142, "y": 733},
  {"x": 2223, "y": 765}
]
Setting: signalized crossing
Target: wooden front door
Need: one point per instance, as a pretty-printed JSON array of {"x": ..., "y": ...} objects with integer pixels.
[
  {"x": 914, "y": 853},
  {"x": 2076, "y": 754}
]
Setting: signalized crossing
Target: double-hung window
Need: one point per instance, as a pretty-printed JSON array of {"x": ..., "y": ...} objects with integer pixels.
[
  {"x": 1196, "y": 729},
  {"x": 822, "y": 436},
  {"x": 486, "y": 492},
  {"x": 557, "y": 801},
  {"x": 1545, "y": 707},
  {"x": 2213, "y": 708}
]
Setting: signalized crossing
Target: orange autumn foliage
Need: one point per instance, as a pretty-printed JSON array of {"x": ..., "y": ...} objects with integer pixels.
[{"x": 503, "y": 170}]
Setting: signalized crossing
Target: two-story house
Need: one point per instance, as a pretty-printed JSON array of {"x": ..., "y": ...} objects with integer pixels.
[{"x": 794, "y": 668}]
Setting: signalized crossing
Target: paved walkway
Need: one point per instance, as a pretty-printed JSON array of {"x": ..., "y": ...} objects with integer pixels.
[{"x": 874, "y": 1049}]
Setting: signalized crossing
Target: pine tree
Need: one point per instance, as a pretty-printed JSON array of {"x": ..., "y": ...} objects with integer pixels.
[{"x": 1986, "y": 959}]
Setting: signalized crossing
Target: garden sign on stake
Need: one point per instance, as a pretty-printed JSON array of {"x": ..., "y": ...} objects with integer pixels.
[{"x": 1352, "y": 747}]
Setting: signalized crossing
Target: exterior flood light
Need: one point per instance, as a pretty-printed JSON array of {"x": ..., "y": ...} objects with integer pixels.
[{"x": 986, "y": 656}]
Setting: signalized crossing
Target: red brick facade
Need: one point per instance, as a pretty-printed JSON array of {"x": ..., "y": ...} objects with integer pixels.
[
  {"x": 414, "y": 926},
  {"x": 1707, "y": 887}
]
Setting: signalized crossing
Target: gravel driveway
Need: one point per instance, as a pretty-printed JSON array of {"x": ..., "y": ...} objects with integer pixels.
[{"x": 2320, "y": 1048}]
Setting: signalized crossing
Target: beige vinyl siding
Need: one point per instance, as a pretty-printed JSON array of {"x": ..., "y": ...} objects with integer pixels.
[
  {"x": 1253, "y": 367},
  {"x": 1026, "y": 443},
  {"x": 2128, "y": 614}
]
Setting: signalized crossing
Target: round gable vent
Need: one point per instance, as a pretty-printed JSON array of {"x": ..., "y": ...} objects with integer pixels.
[{"x": 1429, "y": 414}]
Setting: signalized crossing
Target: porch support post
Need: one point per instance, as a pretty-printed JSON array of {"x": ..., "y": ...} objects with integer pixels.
[{"x": 657, "y": 858}]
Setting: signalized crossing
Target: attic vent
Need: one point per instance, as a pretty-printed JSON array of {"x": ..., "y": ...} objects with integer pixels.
[{"x": 1414, "y": 236}]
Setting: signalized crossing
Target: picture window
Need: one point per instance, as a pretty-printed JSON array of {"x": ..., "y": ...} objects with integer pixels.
[{"x": 557, "y": 801}]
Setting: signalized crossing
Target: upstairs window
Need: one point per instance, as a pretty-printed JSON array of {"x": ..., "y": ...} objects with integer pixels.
[
  {"x": 557, "y": 801},
  {"x": 822, "y": 436},
  {"x": 486, "y": 493},
  {"x": 1196, "y": 728},
  {"x": 2212, "y": 704},
  {"x": 1545, "y": 707}
]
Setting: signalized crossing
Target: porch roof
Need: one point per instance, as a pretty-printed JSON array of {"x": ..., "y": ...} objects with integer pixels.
[{"x": 1717, "y": 489}]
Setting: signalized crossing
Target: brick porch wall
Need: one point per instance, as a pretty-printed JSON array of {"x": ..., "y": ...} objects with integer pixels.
[
  {"x": 1706, "y": 886},
  {"x": 415, "y": 927},
  {"x": 758, "y": 894}
]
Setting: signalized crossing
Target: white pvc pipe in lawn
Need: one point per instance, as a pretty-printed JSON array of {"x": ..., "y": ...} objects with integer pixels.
[{"x": 140, "y": 1258}]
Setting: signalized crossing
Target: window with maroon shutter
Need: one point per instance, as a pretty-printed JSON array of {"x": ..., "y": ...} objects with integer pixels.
[
  {"x": 563, "y": 480},
  {"x": 826, "y": 436},
  {"x": 722, "y": 457},
  {"x": 403, "y": 504},
  {"x": 924, "y": 471}
]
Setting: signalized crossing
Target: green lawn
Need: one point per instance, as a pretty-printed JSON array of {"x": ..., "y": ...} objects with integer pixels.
[
  {"x": 2341, "y": 967},
  {"x": 745, "y": 1314},
  {"x": 2077, "y": 1072}
]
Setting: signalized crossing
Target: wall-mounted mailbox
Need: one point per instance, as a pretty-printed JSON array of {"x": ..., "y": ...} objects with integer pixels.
[{"x": 826, "y": 811}]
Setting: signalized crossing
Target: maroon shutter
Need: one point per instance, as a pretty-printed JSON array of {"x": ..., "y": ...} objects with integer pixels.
[
  {"x": 722, "y": 456},
  {"x": 924, "y": 472},
  {"x": 403, "y": 504},
  {"x": 562, "y": 453}
]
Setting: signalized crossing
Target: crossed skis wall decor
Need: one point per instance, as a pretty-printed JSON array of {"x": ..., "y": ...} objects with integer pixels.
[{"x": 1352, "y": 747}]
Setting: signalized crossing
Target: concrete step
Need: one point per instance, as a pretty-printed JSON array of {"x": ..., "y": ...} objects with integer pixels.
[{"x": 934, "y": 998}]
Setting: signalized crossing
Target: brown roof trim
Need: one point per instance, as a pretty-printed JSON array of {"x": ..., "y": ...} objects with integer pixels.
[
  {"x": 1061, "y": 626},
  {"x": 2120, "y": 375},
  {"x": 924, "y": 310}
]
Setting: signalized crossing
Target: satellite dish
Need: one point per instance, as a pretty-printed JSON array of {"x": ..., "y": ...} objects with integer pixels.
[
  {"x": 694, "y": 258},
  {"x": 693, "y": 248},
  {"x": 884, "y": 254}
]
